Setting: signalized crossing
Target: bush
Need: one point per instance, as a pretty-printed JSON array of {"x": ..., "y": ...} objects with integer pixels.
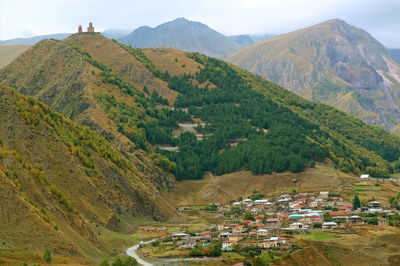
[{"x": 47, "y": 255}]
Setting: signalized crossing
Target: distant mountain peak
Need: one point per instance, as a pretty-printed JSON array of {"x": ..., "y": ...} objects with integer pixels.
[
  {"x": 184, "y": 34},
  {"x": 327, "y": 62}
]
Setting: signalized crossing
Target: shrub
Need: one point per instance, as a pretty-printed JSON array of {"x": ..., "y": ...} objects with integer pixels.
[{"x": 47, "y": 255}]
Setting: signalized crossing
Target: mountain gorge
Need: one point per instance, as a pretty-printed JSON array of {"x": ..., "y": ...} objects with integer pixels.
[{"x": 333, "y": 63}]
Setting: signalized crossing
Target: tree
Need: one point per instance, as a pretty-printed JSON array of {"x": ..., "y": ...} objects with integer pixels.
[
  {"x": 216, "y": 249},
  {"x": 47, "y": 255},
  {"x": 356, "y": 202},
  {"x": 327, "y": 217},
  {"x": 249, "y": 216}
]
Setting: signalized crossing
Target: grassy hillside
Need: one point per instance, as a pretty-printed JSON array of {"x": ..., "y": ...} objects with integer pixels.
[
  {"x": 60, "y": 180},
  {"x": 243, "y": 121},
  {"x": 10, "y": 52}
]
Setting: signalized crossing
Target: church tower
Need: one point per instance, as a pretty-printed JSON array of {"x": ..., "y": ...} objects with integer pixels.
[
  {"x": 90, "y": 28},
  {"x": 80, "y": 29}
]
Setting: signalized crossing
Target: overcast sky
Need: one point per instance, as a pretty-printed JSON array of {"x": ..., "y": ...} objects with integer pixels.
[{"x": 25, "y": 18}]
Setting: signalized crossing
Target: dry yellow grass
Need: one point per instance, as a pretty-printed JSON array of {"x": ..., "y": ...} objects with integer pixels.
[
  {"x": 10, "y": 52},
  {"x": 222, "y": 189}
]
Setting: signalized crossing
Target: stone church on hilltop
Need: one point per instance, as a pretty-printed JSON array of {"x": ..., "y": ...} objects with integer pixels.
[{"x": 90, "y": 29}]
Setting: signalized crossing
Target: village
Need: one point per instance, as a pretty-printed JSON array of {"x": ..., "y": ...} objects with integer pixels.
[{"x": 249, "y": 226}]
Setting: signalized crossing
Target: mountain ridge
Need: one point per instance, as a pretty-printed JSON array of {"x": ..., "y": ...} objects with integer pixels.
[{"x": 327, "y": 61}]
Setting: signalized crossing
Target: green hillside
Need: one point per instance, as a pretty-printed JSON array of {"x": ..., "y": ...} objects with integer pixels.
[{"x": 243, "y": 121}]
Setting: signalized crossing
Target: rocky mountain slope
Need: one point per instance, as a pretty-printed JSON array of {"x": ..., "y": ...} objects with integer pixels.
[
  {"x": 395, "y": 54},
  {"x": 184, "y": 35},
  {"x": 333, "y": 63}
]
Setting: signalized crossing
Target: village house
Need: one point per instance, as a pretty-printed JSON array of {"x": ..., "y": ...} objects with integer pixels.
[
  {"x": 383, "y": 221},
  {"x": 354, "y": 220},
  {"x": 149, "y": 230},
  {"x": 225, "y": 235},
  {"x": 273, "y": 224},
  {"x": 273, "y": 242},
  {"x": 180, "y": 236},
  {"x": 262, "y": 232},
  {"x": 227, "y": 245},
  {"x": 374, "y": 204},
  {"x": 323, "y": 195},
  {"x": 329, "y": 225},
  {"x": 297, "y": 226},
  {"x": 236, "y": 237},
  {"x": 364, "y": 177}
]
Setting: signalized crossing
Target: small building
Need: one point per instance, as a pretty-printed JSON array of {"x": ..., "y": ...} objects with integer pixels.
[
  {"x": 274, "y": 242},
  {"x": 383, "y": 221},
  {"x": 149, "y": 230},
  {"x": 180, "y": 236},
  {"x": 225, "y": 235},
  {"x": 262, "y": 232},
  {"x": 329, "y": 225},
  {"x": 374, "y": 204},
  {"x": 364, "y": 177},
  {"x": 296, "y": 226},
  {"x": 162, "y": 230},
  {"x": 220, "y": 227},
  {"x": 354, "y": 220},
  {"x": 273, "y": 224},
  {"x": 323, "y": 194},
  {"x": 227, "y": 245}
]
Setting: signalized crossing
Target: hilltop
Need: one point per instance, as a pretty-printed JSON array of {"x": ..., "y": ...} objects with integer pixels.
[
  {"x": 184, "y": 35},
  {"x": 334, "y": 63}
]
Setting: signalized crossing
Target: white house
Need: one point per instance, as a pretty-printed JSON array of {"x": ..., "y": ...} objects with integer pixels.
[
  {"x": 364, "y": 177},
  {"x": 262, "y": 232},
  {"x": 329, "y": 225}
]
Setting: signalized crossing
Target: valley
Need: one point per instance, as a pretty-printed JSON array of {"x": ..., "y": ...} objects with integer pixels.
[{"x": 104, "y": 147}]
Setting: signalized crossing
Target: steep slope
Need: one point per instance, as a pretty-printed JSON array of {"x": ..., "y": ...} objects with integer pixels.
[
  {"x": 10, "y": 52},
  {"x": 184, "y": 35},
  {"x": 58, "y": 180},
  {"x": 224, "y": 119},
  {"x": 64, "y": 77},
  {"x": 35, "y": 39},
  {"x": 325, "y": 63}
]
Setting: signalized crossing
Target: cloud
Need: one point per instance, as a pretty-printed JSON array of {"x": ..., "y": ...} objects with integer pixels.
[{"x": 381, "y": 18}]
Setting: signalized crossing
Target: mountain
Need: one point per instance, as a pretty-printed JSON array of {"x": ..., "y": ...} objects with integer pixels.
[
  {"x": 334, "y": 63},
  {"x": 60, "y": 183},
  {"x": 243, "y": 40},
  {"x": 134, "y": 122},
  {"x": 184, "y": 35},
  {"x": 395, "y": 54},
  {"x": 10, "y": 52},
  {"x": 35, "y": 39},
  {"x": 115, "y": 33}
]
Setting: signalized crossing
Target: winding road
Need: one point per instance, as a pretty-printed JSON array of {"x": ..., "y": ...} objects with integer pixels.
[{"x": 132, "y": 252}]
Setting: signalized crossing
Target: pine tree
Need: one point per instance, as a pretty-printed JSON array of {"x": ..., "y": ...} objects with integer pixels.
[{"x": 356, "y": 202}]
